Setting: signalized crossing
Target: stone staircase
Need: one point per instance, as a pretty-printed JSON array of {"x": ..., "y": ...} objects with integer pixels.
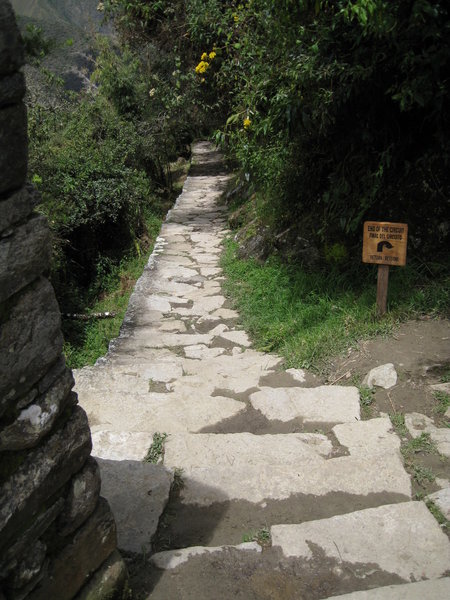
[{"x": 250, "y": 451}]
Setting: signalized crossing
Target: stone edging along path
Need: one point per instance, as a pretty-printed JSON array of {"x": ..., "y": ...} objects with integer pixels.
[{"x": 256, "y": 450}]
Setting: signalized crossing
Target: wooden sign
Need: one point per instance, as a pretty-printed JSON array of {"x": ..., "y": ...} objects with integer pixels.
[{"x": 385, "y": 243}]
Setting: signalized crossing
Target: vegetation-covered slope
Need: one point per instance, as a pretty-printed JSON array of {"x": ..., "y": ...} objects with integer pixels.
[
  {"x": 337, "y": 111},
  {"x": 79, "y": 14},
  {"x": 332, "y": 113}
]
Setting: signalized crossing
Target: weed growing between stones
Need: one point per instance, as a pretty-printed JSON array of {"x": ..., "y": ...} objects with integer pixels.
[
  {"x": 366, "y": 398},
  {"x": 178, "y": 483},
  {"x": 422, "y": 474},
  {"x": 423, "y": 443},
  {"x": 398, "y": 422},
  {"x": 442, "y": 402},
  {"x": 261, "y": 536},
  {"x": 416, "y": 453},
  {"x": 155, "y": 453},
  {"x": 438, "y": 515}
]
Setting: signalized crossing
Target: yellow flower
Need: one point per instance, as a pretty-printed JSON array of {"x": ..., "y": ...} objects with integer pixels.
[
  {"x": 204, "y": 56},
  {"x": 236, "y": 18},
  {"x": 212, "y": 55},
  {"x": 247, "y": 123},
  {"x": 201, "y": 67}
]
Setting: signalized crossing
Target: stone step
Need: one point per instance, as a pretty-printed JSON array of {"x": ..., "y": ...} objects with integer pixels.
[
  {"x": 401, "y": 539},
  {"x": 137, "y": 493},
  {"x": 433, "y": 589},
  {"x": 380, "y": 553},
  {"x": 171, "y": 559},
  {"x": 162, "y": 412},
  {"x": 244, "y": 466},
  {"x": 323, "y": 404},
  {"x": 121, "y": 445}
]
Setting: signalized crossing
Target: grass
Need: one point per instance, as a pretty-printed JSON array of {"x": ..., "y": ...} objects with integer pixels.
[
  {"x": 262, "y": 536},
  {"x": 398, "y": 422},
  {"x": 309, "y": 317},
  {"x": 442, "y": 402},
  {"x": 156, "y": 451},
  {"x": 423, "y": 444},
  {"x": 366, "y": 398},
  {"x": 422, "y": 474},
  {"x": 86, "y": 341},
  {"x": 437, "y": 514}
]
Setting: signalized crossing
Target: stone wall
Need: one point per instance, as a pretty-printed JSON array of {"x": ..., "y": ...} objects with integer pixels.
[{"x": 57, "y": 536}]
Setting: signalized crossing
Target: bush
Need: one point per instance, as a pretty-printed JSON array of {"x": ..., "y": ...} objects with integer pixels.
[{"x": 35, "y": 42}]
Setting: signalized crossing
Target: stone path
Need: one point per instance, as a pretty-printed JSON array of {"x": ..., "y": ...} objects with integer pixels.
[{"x": 252, "y": 450}]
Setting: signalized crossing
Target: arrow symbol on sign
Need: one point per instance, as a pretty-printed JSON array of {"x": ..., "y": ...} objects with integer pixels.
[{"x": 382, "y": 244}]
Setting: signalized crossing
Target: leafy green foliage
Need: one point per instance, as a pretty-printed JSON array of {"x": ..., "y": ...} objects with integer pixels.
[
  {"x": 156, "y": 451},
  {"x": 346, "y": 105},
  {"x": 85, "y": 160},
  {"x": 35, "y": 42},
  {"x": 101, "y": 162},
  {"x": 86, "y": 341}
]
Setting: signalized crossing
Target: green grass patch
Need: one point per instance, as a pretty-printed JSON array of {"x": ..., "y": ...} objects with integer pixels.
[
  {"x": 437, "y": 514},
  {"x": 366, "y": 398},
  {"x": 262, "y": 536},
  {"x": 398, "y": 422},
  {"x": 86, "y": 341},
  {"x": 309, "y": 317},
  {"x": 442, "y": 402},
  {"x": 422, "y": 475},
  {"x": 423, "y": 444}
]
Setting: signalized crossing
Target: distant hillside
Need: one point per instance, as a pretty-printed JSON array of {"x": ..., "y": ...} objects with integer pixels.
[
  {"x": 79, "y": 14},
  {"x": 71, "y": 26}
]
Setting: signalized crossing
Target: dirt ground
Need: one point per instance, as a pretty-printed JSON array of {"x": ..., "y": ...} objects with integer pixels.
[{"x": 420, "y": 352}]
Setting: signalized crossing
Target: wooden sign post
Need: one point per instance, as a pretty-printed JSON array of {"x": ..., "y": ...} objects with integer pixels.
[{"x": 384, "y": 244}]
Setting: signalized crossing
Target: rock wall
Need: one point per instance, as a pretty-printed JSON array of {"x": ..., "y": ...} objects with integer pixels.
[{"x": 57, "y": 536}]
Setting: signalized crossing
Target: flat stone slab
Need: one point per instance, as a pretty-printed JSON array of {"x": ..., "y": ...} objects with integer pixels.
[
  {"x": 238, "y": 373},
  {"x": 171, "y": 559},
  {"x": 137, "y": 493},
  {"x": 237, "y": 337},
  {"x": 130, "y": 378},
  {"x": 417, "y": 424},
  {"x": 151, "y": 338},
  {"x": 200, "y": 352},
  {"x": 225, "y": 313},
  {"x": 121, "y": 445},
  {"x": 442, "y": 500},
  {"x": 243, "y": 466},
  {"x": 434, "y": 589},
  {"x": 186, "y": 410},
  {"x": 402, "y": 539},
  {"x": 368, "y": 438},
  {"x": 323, "y": 404}
]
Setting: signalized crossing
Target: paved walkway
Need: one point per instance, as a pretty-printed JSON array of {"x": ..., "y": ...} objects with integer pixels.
[{"x": 251, "y": 451}]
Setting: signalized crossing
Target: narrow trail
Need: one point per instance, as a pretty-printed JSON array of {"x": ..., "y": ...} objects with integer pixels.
[{"x": 252, "y": 450}]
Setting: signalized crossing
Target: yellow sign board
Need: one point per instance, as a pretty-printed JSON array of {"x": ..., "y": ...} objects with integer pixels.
[{"x": 385, "y": 243}]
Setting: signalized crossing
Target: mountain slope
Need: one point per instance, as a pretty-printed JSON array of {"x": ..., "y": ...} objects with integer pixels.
[{"x": 80, "y": 14}]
